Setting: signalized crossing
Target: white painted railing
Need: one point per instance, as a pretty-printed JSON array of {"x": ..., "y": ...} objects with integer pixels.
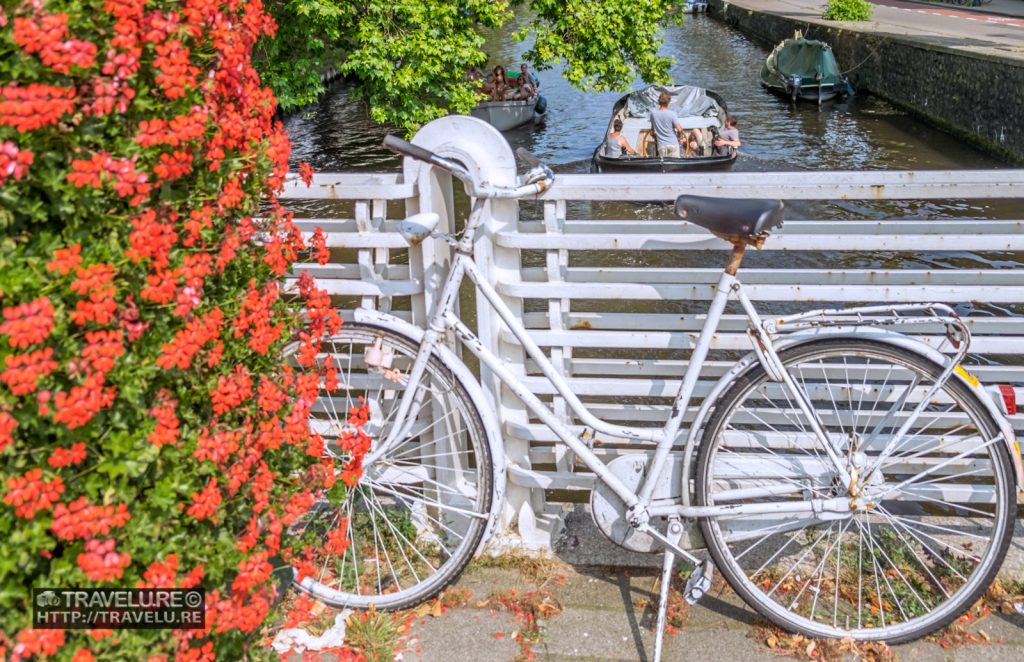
[{"x": 618, "y": 303}]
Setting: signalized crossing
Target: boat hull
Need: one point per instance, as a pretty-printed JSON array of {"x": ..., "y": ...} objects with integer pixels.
[
  {"x": 601, "y": 163},
  {"x": 808, "y": 92},
  {"x": 505, "y": 115}
]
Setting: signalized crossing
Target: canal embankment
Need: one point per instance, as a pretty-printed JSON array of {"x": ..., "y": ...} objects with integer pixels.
[{"x": 964, "y": 79}]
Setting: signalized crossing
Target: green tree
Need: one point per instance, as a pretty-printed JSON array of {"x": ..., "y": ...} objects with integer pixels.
[{"x": 408, "y": 57}]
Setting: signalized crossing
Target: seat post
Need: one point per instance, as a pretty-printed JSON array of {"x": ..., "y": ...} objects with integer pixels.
[{"x": 735, "y": 258}]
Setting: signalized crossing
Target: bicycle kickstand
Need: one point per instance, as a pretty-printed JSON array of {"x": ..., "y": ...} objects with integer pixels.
[{"x": 697, "y": 584}]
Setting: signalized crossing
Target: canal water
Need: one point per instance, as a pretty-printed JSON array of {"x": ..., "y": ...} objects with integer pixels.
[{"x": 861, "y": 133}]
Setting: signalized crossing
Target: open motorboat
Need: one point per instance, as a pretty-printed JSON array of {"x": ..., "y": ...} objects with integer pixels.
[
  {"x": 804, "y": 69},
  {"x": 506, "y": 115},
  {"x": 696, "y": 107}
]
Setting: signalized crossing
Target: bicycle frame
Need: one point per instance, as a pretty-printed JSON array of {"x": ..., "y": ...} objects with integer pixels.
[{"x": 443, "y": 319}]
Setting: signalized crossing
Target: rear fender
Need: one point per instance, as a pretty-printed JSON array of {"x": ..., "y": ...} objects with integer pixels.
[
  {"x": 484, "y": 403},
  {"x": 787, "y": 341}
]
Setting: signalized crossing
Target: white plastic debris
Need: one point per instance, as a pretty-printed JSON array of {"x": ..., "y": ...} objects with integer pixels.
[
  {"x": 1019, "y": 607},
  {"x": 297, "y": 640}
]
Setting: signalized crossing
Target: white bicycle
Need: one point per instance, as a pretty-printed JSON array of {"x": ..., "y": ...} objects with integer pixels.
[{"x": 848, "y": 480}]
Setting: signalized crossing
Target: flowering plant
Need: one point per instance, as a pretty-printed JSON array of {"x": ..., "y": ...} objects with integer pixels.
[{"x": 150, "y": 430}]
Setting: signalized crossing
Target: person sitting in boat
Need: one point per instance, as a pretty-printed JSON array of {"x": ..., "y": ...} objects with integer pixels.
[
  {"x": 616, "y": 143},
  {"x": 691, "y": 142},
  {"x": 665, "y": 124},
  {"x": 728, "y": 138},
  {"x": 525, "y": 90},
  {"x": 487, "y": 86},
  {"x": 526, "y": 75},
  {"x": 502, "y": 90}
]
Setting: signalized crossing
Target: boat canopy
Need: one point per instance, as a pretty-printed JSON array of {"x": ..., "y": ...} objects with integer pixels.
[
  {"x": 810, "y": 59},
  {"x": 687, "y": 102}
]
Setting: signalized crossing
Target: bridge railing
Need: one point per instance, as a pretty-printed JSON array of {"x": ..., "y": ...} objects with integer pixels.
[{"x": 614, "y": 288}]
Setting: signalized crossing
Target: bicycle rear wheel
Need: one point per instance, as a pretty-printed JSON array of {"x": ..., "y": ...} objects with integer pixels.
[
  {"x": 415, "y": 518},
  {"x": 944, "y": 500}
]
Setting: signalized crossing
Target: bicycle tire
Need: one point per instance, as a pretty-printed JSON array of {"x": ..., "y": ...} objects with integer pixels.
[
  {"x": 914, "y": 563},
  {"x": 417, "y": 515}
]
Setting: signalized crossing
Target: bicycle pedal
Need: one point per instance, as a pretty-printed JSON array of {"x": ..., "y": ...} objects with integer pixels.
[{"x": 699, "y": 582}]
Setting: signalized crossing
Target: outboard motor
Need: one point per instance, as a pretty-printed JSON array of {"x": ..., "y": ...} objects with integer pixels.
[
  {"x": 542, "y": 105},
  {"x": 796, "y": 82}
]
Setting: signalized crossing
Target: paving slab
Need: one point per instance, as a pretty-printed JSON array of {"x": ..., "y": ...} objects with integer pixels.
[{"x": 463, "y": 635}]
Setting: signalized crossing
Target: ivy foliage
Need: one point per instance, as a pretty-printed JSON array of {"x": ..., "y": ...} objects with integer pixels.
[{"x": 408, "y": 58}]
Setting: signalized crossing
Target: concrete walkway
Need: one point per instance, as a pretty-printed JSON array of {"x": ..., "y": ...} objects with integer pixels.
[
  {"x": 978, "y": 29},
  {"x": 608, "y": 614}
]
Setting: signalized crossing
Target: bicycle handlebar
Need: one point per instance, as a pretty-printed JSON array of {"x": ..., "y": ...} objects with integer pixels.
[{"x": 538, "y": 180}]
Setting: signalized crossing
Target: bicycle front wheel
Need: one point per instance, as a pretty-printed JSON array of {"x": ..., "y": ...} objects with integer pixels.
[
  {"x": 941, "y": 495},
  {"x": 417, "y": 514}
]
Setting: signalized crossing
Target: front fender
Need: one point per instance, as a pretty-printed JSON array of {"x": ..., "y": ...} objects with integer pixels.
[
  {"x": 476, "y": 393},
  {"x": 903, "y": 341}
]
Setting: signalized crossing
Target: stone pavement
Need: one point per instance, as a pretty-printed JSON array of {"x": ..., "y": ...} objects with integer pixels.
[
  {"x": 996, "y": 28},
  {"x": 608, "y": 614}
]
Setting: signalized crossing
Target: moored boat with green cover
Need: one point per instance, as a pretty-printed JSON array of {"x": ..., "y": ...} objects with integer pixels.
[{"x": 805, "y": 69}]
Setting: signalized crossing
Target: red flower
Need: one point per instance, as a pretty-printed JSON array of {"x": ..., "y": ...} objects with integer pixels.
[
  {"x": 160, "y": 574},
  {"x": 217, "y": 446},
  {"x": 337, "y": 538},
  {"x": 93, "y": 278},
  {"x": 61, "y": 457},
  {"x": 38, "y": 642},
  {"x": 166, "y": 430},
  {"x": 270, "y": 397},
  {"x": 100, "y": 562},
  {"x": 297, "y": 506},
  {"x": 82, "y": 655},
  {"x": 255, "y": 317},
  {"x": 78, "y": 407},
  {"x": 33, "y": 106},
  {"x": 152, "y": 239},
  {"x": 66, "y": 260},
  {"x": 81, "y": 519},
  {"x": 319, "y": 245},
  {"x": 127, "y": 180},
  {"x": 7, "y": 426},
  {"x": 30, "y": 493},
  {"x": 306, "y": 173},
  {"x": 189, "y": 341},
  {"x": 176, "y": 71},
  {"x": 202, "y": 654},
  {"x": 251, "y": 573},
  {"x": 47, "y": 36},
  {"x": 128, "y": 319},
  {"x": 28, "y": 323},
  {"x": 102, "y": 349},
  {"x": 174, "y": 165},
  {"x": 205, "y": 502},
  {"x": 25, "y": 370},
  {"x": 173, "y": 132},
  {"x": 232, "y": 390},
  {"x": 14, "y": 162}
]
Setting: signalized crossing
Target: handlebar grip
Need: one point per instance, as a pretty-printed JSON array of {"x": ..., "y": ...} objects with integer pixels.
[
  {"x": 396, "y": 144},
  {"x": 528, "y": 157}
]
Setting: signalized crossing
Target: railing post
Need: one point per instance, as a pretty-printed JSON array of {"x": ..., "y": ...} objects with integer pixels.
[{"x": 484, "y": 151}]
